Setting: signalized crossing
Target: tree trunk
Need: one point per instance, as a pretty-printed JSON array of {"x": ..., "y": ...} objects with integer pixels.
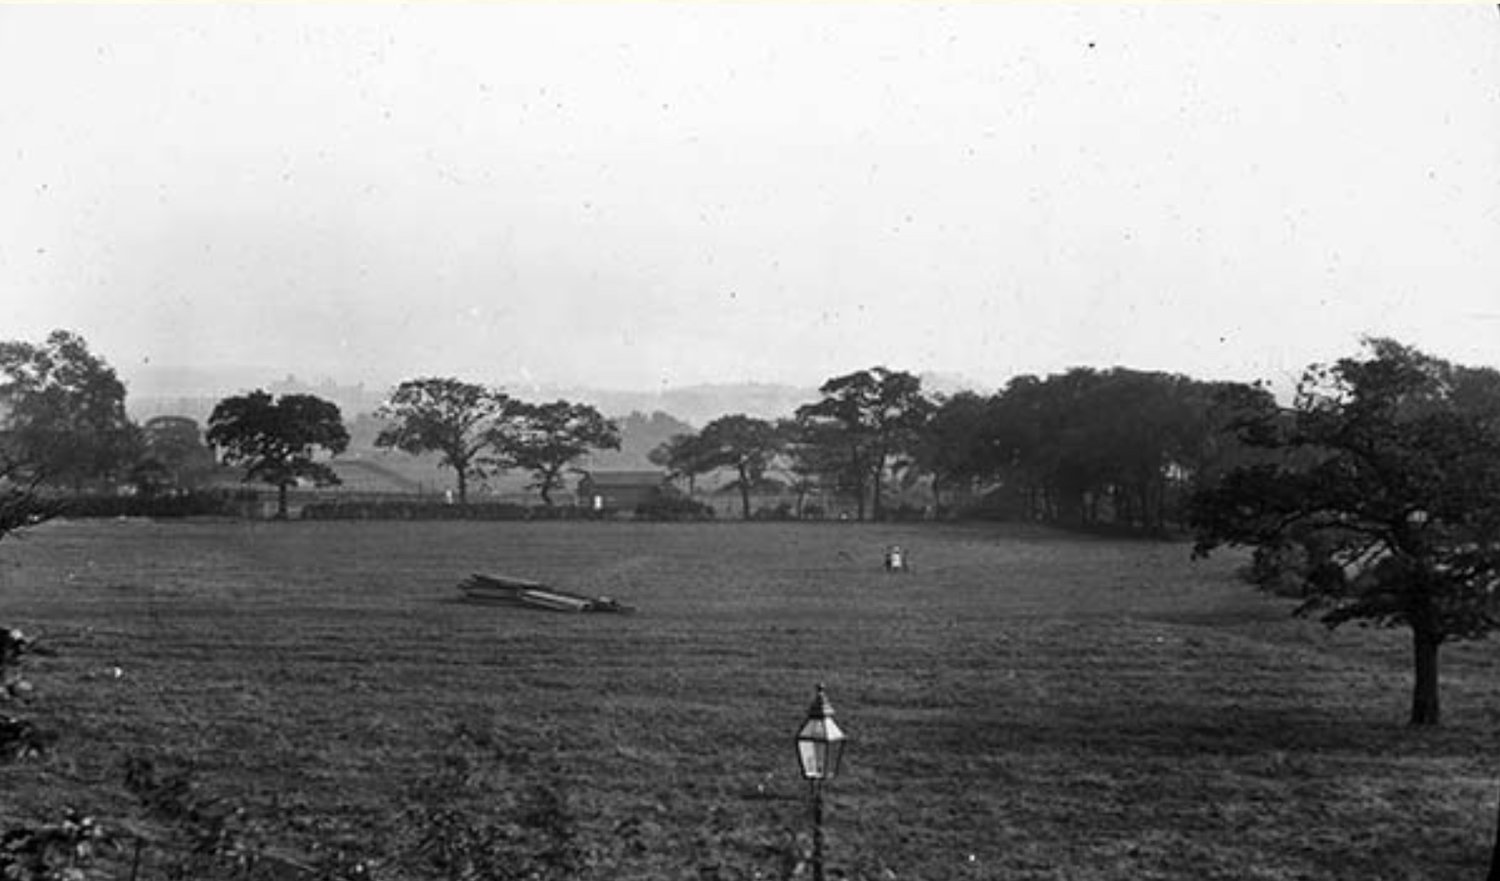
[
  {"x": 281, "y": 501},
  {"x": 463, "y": 485},
  {"x": 546, "y": 489},
  {"x": 744, "y": 494},
  {"x": 1424, "y": 695}
]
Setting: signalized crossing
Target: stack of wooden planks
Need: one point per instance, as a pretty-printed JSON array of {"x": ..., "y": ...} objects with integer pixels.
[{"x": 507, "y": 591}]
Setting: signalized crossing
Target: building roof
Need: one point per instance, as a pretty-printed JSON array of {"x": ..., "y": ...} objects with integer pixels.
[{"x": 626, "y": 478}]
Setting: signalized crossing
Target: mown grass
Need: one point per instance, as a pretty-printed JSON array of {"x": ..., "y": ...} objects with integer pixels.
[{"x": 1023, "y": 704}]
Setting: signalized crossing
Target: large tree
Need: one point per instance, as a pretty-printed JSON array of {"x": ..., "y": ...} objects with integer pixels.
[
  {"x": 278, "y": 440},
  {"x": 684, "y": 455},
  {"x": 455, "y": 419},
  {"x": 546, "y": 439},
  {"x": 955, "y": 448},
  {"x": 746, "y": 445},
  {"x": 62, "y": 413},
  {"x": 869, "y": 417},
  {"x": 1386, "y": 473}
]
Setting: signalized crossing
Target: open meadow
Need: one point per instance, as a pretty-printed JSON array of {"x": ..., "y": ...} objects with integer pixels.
[{"x": 1024, "y": 704}]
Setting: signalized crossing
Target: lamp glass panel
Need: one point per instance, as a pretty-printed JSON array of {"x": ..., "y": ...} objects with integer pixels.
[{"x": 813, "y": 756}]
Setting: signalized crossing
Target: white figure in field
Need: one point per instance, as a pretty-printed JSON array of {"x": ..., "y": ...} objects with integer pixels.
[{"x": 895, "y": 559}]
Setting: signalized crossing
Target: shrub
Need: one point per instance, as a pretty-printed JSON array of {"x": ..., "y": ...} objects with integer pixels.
[
  {"x": 415, "y": 509},
  {"x": 782, "y": 511},
  {"x": 189, "y": 504},
  {"x": 671, "y": 507},
  {"x": 423, "y": 509},
  {"x": 19, "y": 738}
]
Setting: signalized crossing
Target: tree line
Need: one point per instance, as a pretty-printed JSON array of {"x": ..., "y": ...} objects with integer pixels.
[
  {"x": 64, "y": 427},
  {"x": 1086, "y": 447}
]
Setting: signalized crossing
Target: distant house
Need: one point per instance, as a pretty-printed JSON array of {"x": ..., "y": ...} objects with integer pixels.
[{"x": 620, "y": 490}]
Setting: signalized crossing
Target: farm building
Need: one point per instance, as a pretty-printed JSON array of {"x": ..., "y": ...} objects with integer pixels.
[{"x": 619, "y": 490}]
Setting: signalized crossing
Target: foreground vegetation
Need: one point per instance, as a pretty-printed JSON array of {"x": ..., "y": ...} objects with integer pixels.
[{"x": 1023, "y": 705}]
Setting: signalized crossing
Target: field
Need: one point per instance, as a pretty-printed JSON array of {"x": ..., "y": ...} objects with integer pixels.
[{"x": 1022, "y": 705}]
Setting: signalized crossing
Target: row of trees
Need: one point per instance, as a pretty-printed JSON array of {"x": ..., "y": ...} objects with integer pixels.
[
  {"x": 474, "y": 430},
  {"x": 1083, "y": 447},
  {"x": 477, "y": 431},
  {"x": 63, "y": 426}
]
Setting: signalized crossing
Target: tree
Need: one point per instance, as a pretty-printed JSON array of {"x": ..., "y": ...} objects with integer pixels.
[
  {"x": 870, "y": 416},
  {"x": 683, "y": 455},
  {"x": 546, "y": 438},
  {"x": 745, "y": 444},
  {"x": 20, "y": 506},
  {"x": 276, "y": 440},
  {"x": 455, "y": 419},
  {"x": 953, "y": 448},
  {"x": 175, "y": 454},
  {"x": 1387, "y": 472},
  {"x": 64, "y": 419}
]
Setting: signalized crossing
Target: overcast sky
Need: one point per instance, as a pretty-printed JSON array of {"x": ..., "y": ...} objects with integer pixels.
[{"x": 647, "y": 194}]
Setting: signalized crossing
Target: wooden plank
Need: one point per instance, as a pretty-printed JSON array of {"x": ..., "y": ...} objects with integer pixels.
[{"x": 554, "y": 600}]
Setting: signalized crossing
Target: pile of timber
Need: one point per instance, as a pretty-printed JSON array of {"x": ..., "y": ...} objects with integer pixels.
[{"x": 506, "y": 591}]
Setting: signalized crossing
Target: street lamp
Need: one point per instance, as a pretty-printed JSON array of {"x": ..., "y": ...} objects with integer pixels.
[{"x": 820, "y": 745}]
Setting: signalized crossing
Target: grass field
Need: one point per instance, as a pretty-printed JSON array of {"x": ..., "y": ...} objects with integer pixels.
[{"x": 1022, "y": 705}]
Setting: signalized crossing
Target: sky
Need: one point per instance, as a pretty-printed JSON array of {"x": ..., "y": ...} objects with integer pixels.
[{"x": 650, "y": 194}]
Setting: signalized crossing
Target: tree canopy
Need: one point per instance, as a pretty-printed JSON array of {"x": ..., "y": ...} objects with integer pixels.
[
  {"x": 684, "y": 455},
  {"x": 277, "y": 440},
  {"x": 546, "y": 439},
  {"x": 62, "y": 412},
  {"x": 455, "y": 419},
  {"x": 1386, "y": 474},
  {"x": 746, "y": 445},
  {"x": 867, "y": 417}
]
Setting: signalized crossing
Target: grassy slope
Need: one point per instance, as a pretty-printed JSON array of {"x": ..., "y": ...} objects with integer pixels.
[{"x": 1023, "y": 705}]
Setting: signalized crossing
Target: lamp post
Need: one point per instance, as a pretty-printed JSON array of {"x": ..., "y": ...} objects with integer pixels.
[{"x": 820, "y": 745}]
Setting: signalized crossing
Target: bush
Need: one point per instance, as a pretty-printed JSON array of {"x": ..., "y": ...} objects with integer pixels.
[
  {"x": 905, "y": 513},
  {"x": 414, "y": 509},
  {"x": 189, "y": 504},
  {"x": 782, "y": 511},
  {"x": 422, "y": 509},
  {"x": 673, "y": 508}
]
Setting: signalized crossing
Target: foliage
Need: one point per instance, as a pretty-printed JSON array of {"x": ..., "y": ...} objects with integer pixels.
[
  {"x": 455, "y": 419},
  {"x": 60, "y": 851},
  {"x": 673, "y": 507},
  {"x": 195, "y": 503},
  {"x": 546, "y": 438},
  {"x": 684, "y": 455},
  {"x": 175, "y": 454},
  {"x": 276, "y": 440},
  {"x": 458, "y": 835},
  {"x": 20, "y": 738},
  {"x": 21, "y": 508},
  {"x": 1387, "y": 474},
  {"x": 1117, "y": 449},
  {"x": 864, "y": 421},
  {"x": 429, "y": 510},
  {"x": 952, "y": 447},
  {"x": 64, "y": 420},
  {"x": 744, "y": 444}
]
